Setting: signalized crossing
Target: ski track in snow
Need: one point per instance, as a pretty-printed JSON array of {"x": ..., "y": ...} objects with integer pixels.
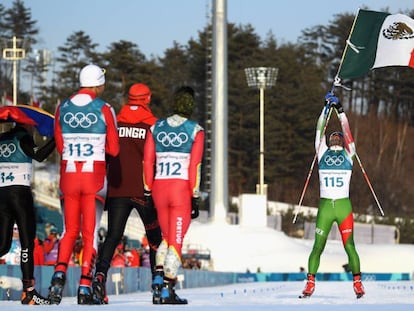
[{"x": 379, "y": 296}]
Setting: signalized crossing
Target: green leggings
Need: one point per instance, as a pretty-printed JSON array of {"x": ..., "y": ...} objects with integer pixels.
[{"x": 330, "y": 211}]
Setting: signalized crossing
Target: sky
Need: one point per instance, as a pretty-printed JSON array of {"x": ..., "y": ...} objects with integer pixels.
[{"x": 155, "y": 25}]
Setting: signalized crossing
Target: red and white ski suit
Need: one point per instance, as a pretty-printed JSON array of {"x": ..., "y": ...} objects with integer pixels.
[
  {"x": 172, "y": 164},
  {"x": 85, "y": 131}
]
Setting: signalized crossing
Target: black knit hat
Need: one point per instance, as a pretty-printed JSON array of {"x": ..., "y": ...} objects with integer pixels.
[{"x": 183, "y": 101}]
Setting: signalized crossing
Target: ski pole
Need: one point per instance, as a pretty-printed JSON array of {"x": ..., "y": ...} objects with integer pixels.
[
  {"x": 366, "y": 178},
  {"x": 311, "y": 167},
  {"x": 305, "y": 187},
  {"x": 369, "y": 184}
]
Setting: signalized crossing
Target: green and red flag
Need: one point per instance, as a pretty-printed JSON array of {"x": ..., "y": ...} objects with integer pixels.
[{"x": 377, "y": 39}]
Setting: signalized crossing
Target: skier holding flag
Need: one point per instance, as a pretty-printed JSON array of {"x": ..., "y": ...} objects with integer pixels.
[{"x": 335, "y": 170}]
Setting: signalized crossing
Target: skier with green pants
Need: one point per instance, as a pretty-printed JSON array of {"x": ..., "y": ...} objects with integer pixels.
[{"x": 335, "y": 170}]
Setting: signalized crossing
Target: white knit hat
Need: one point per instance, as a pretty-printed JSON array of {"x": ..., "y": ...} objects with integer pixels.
[{"x": 91, "y": 75}]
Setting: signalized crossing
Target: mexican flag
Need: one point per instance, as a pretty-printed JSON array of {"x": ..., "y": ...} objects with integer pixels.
[{"x": 377, "y": 39}]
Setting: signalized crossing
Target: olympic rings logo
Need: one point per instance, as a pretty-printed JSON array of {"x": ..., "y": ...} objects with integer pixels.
[
  {"x": 80, "y": 119},
  {"x": 334, "y": 160},
  {"x": 172, "y": 139},
  {"x": 6, "y": 150}
]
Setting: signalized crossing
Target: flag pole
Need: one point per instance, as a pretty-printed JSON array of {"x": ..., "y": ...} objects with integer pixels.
[{"x": 337, "y": 80}]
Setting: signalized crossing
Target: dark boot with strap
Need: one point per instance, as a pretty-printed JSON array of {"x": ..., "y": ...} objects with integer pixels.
[
  {"x": 30, "y": 296},
  {"x": 85, "y": 295},
  {"x": 56, "y": 287},
  {"x": 99, "y": 289},
  {"x": 168, "y": 295},
  {"x": 157, "y": 285}
]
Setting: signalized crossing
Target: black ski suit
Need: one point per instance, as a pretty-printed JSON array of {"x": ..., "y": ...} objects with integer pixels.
[{"x": 17, "y": 149}]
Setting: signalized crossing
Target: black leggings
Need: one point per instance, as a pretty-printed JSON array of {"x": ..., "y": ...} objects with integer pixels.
[
  {"x": 16, "y": 206},
  {"x": 119, "y": 210}
]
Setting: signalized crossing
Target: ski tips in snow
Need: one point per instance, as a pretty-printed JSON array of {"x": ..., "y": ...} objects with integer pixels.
[{"x": 304, "y": 296}]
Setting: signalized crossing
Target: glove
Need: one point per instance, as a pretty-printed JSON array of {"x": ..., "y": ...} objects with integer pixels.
[
  {"x": 331, "y": 99},
  {"x": 338, "y": 107},
  {"x": 195, "y": 204},
  {"x": 149, "y": 202}
]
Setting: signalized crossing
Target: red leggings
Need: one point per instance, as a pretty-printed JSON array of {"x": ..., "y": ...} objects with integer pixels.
[
  {"x": 172, "y": 199},
  {"x": 79, "y": 191}
]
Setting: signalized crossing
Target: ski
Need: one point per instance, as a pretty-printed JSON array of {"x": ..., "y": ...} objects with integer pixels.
[
  {"x": 359, "y": 296},
  {"x": 303, "y": 296}
]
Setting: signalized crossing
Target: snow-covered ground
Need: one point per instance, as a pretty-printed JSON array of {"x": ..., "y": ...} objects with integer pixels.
[
  {"x": 381, "y": 296},
  {"x": 236, "y": 248}
]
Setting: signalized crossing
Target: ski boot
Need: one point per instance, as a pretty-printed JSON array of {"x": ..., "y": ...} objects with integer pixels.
[
  {"x": 85, "y": 296},
  {"x": 99, "y": 289},
  {"x": 310, "y": 286},
  {"x": 169, "y": 297},
  {"x": 30, "y": 296},
  {"x": 157, "y": 284},
  {"x": 56, "y": 287},
  {"x": 358, "y": 288}
]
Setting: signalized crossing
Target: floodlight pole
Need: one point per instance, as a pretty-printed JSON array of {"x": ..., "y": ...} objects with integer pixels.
[
  {"x": 261, "y": 151},
  {"x": 14, "y": 54},
  {"x": 261, "y": 78}
]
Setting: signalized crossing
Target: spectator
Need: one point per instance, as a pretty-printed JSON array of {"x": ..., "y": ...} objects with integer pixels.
[
  {"x": 101, "y": 238},
  {"x": 76, "y": 259},
  {"x": 51, "y": 246},
  {"x": 145, "y": 258},
  {"x": 14, "y": 253},
  {"x": 38, "y": 252},
  {"x": 47, "y": 228},
  {"x": 119, "y": 259},
  {"x": 132, "y": 257},
  {"x": 144, "y": 242}
]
